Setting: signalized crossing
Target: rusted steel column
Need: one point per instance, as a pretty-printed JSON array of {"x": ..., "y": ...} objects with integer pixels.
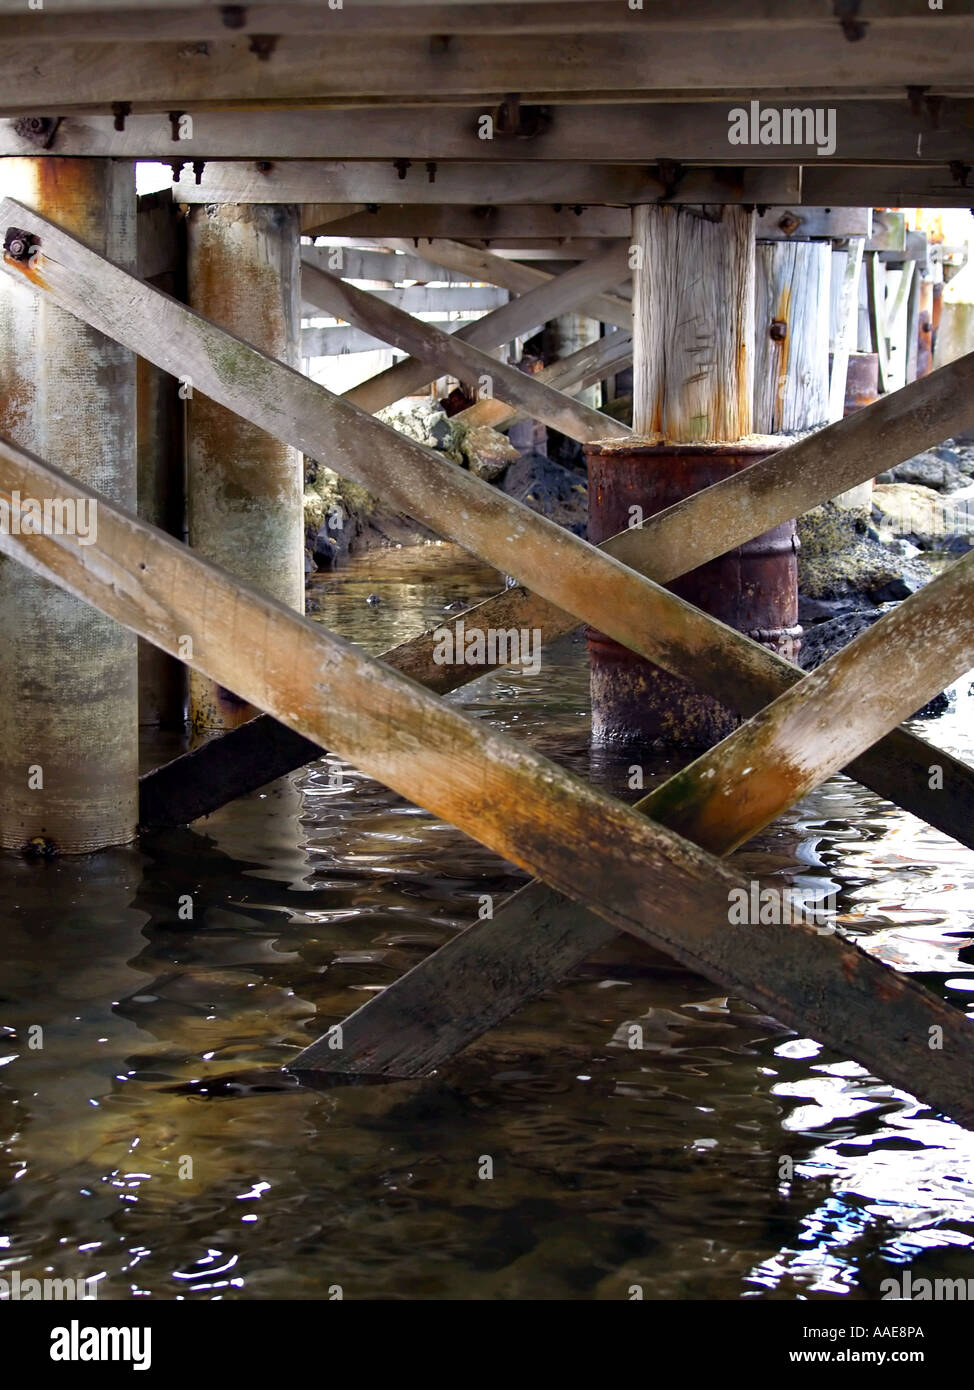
[
  {"x": 693, "y": 388},
  {"x": 69, "y": 710},
  {"x": 244, "y": 487},
  {"x": 161, "y": 456},
  {"x": 753, "y": 588}
]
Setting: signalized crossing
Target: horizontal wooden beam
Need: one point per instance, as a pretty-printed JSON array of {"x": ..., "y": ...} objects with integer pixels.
[
  {"x": 446, "y": 299},
  {"x": 337, "y": 341},
  {"x": 313, "y": 69},
  {"x": 743, "y": 15},
  {"x": 639, "y": 876},
  {"x": 525, "y": 183},
  {"x": 866, "y": 131},
  {"x": 939, "y": 187},
  {"x": 321, "y": 181},
  {"x": 443, "y": 352},
  {"x": 357, "y": 263},
  {"x": 123, "y": 21}
]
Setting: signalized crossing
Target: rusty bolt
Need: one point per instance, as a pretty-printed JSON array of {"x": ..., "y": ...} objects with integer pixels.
[
  {"x": 431, "y": 170},
  {"x": 400, "y": 166},
  {"x": 263, "y": 166},
  {"x": 176, "y": 165},
  {"x": 788, "y": 223},
  {"x": 263, "y": 45},
  {"x": 198, "y": 166},
  {"x": 233, "y": 16},
  {"x": 174, "y": 118},
  {"x": 121, "y": 109},
  {"x": 778, "y": 330},
  {"x": 20, "y": 245},
  {"x": 39, "y": 130}
]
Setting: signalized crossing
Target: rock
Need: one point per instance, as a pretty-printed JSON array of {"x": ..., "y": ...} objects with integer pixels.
[
  {"x": 923, "y": 516},
  {"x": 816, "y": 610},
  {"x": 862, "y": 567},
  {"x": 930, "y": 469},
  {"x": 427, "y": 423},
  {"x": 488, "y": 452},
  {"x": 548, "y": 488},
  {"x": 825, "y": 639}
]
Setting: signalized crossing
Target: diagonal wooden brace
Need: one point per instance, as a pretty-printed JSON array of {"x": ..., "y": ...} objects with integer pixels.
[
  {"x": 484, "y": 974},
  {"x": 638, "y": 875},
  {"x": 553, "y": 296},
  {"x": 443, "y": 352}
]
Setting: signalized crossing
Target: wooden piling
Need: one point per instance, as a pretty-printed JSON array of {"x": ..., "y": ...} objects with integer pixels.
[
  {"x": 244, "y": 486},
  {"x": 69, "y": 714},
  {"x": 693, "y": 385}
]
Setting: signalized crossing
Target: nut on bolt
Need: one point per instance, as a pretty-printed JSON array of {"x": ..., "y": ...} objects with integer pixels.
[{"x": 20, "y": 245}]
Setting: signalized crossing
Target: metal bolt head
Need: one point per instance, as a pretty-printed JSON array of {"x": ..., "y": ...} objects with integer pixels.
[{"x": 778, "y": 330}]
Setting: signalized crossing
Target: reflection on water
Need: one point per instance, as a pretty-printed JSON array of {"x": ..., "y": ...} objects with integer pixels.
[{"x": 727, "y": 1159}]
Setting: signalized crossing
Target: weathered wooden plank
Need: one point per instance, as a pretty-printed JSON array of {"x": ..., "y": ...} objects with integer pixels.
[
  {"x": 334, "y": 341},
  {"x": 866, "y": 131},
  {"x": 718, "y": 802},
  {"x": 122, "y": 20},
  {"x": 524, "y": 183},
  {"x": 641, "y": 877},
  {"x": 356, "y": 263},
  {"x": 747, "y": 14},
  {"x": 443, "y": 299},
  {"x": 310, "y": 68},
  {"x": 550, "y": 296},
  {"x": 481, "y": 264},
  {"x": 499, "y": 223},
  {"x": 894, "y": 187},
  {"x": 801, "y": 223}
]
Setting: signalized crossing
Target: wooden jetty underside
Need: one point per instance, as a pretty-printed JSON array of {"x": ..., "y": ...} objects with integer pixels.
[{"x": 367, "y": 115}]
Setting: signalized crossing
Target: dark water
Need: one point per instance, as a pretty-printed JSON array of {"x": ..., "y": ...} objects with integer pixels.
[{"x": 725, "y": 1160}]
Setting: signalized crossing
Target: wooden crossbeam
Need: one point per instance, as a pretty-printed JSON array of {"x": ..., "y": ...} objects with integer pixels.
[
  {"x": 308, "y": 69},
  {"x": 639, "y": 876},
  {"x": 719, "y": 661},
  {"x": 866, "y": 131},
  {"x": 445, "y": 352},
  {"x": 524, "y": 183},
  {"x": 722, "y": 799},
  {"x": 481, "y": 264},
  {"x": 124, "y": 21},
  {"x": 550, "y": 296}
]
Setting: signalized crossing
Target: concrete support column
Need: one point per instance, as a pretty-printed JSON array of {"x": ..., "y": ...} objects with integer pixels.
[
  {"x": 69, "y": 707},
  {"x": 244, "y": 487}
]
